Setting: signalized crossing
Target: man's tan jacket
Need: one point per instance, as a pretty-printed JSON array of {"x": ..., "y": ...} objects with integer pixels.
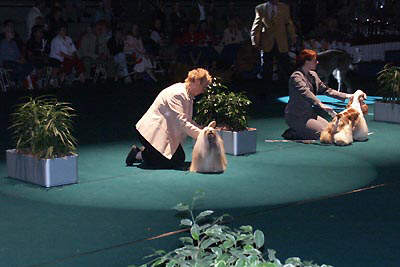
[
  {"x": 268, "y": 28},
  {"x": 168, "y": 121}
]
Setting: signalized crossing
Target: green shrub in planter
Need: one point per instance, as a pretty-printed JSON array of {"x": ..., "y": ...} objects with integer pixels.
[
  {"x": 42, "y": 127},
  {"x": 228, "y": 109},
  {"x": 389, "y": 84}
]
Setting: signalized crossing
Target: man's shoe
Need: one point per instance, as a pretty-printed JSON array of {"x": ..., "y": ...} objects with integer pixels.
[{"x": 131, "y": 158}]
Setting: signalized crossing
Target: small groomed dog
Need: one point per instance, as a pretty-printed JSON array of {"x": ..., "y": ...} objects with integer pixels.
[
  {"x": 348, "y": 125},
  {"x": 208, "y": 153}
]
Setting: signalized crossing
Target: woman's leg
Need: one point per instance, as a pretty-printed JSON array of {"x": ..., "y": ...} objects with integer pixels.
[{"x": 309, "y": 129}]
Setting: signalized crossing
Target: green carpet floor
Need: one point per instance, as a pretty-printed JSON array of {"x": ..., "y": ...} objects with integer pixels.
[{"x": 105, "y": 218}]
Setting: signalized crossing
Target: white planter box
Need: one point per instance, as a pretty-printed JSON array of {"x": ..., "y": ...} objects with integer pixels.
[
  {"x": 239, "y": 143},
  {"x": 387, "y": 112},
  {"x": 44, "y": 172}
]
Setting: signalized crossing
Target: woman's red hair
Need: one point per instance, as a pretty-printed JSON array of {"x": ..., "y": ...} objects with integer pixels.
[{"x": 305, "y": 54}]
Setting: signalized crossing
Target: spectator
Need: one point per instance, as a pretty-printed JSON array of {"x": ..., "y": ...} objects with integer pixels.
[
  {"x": 189, "y": 51},
  {"x": 116, "y": 48},
  {"x": 102, "y": 37},
  {"x": 38, "y": 49},
  {"x": 231, "y": 41},
  {"x": 36, "y": 11},
  {"x": 9, "y": 25},
  {"x": 11, "y": 58},
  {"x": 199, "y": 11},
  {"x": 103, "y": 12},
  {"x": 134, "y": 46},
  {"x": 178, "y": 20},
  {"x": 207, "y": 41},
  {"x": 64, "y": 51},
  {"x": 87, "y": 49},
  {"x": 55, "y": 21}
]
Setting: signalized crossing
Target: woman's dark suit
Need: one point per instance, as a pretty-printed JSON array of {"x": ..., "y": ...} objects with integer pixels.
[{"x": 300, "y": 111}]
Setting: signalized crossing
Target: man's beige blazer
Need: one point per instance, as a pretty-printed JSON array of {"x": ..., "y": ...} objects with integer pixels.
[
  {"x": 168, "y": 121},
  {"x": 266, "y": 30}
]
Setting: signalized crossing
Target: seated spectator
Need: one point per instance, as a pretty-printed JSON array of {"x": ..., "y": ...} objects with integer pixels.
[
  {"x": 231, "y": 41},
  {"x": 178, "y": 20},
  {"x": 103, "y": 12},
  {"x": 55, "y": 21},
  {"x": 34, "y": 12},
  {"x": 64, "y": 51},
  {"x": 158, "y": 37},
  {"x": 11, "y": 58},
  {"x": 116, "y": 48},
  {"x": 87, "y": 50},
  {"x": 102, "y": 37},
  {"x": 134, "y": 47},
  {"x": 38, "y": 49},
  {"x": 189, "y": 51},
  {"x": 207, "y": 41},
  {"x": 9, "y": 25}
]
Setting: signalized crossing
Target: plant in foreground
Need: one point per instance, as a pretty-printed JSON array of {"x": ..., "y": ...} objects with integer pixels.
[{"x": 211, "y": 243}]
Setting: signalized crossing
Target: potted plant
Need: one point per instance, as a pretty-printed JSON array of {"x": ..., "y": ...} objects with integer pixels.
[
  {"x": 45, "y": 147},
  {"x": 229, "y": 110},
  {"x": 388, "y": 109}
]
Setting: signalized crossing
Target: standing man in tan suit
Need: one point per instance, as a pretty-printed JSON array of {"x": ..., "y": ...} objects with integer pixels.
[
  {"x": 271, "y": 32},
  {"x": 167, "y": 122}
]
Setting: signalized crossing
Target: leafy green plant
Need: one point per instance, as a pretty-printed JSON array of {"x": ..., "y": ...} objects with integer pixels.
[
  {"x": 228, "y": 109},
  {"x": 389, "y": 84},
  {"x": 212, "y": 243},
  {"x": 42, "y": 127}
]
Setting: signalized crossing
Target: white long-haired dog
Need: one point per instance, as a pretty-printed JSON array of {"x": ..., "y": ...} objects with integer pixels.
[
  {"x": 208, "y": 153},
  {"x": 348, "y": 125}
]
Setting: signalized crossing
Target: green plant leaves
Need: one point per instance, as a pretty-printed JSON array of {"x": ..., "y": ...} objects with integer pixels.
[
  {"x": 259, "y": 238},
  {"x": 389, "y": 84},
  {"x": 195, "y": 231},
  {"x": 42, "y": 127},
  {"x": 229, "y": 109}
]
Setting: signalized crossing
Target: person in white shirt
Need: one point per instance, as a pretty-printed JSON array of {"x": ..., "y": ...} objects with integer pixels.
[
  {"x": 64, "y": 50},
  {"x": 34, "y": 12}
]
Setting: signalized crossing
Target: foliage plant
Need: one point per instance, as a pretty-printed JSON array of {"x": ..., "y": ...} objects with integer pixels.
[
  {"x": 389, "y": 84},
  {"x": 228, "y": 109},
  {"x": 42, "y": 127},
  {"x": 212, "y": 243}
]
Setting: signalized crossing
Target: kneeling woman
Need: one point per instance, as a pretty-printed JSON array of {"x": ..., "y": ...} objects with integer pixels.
[
  {"x": 300, "y": 112},
  {"x": 167, "y": 122}
]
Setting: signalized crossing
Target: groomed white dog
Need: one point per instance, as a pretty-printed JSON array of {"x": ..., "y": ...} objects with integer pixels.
[
  {"x": 348, "y": 125},
  {"x": 208, "y": 153}
]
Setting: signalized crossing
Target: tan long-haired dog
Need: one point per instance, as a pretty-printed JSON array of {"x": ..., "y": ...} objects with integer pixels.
[
  {"x": 208, "y": 153},
  {"x": 348, "y": 125}
]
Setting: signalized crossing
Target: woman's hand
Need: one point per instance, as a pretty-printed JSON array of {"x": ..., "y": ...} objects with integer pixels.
[{"x": 328, "y": 110}]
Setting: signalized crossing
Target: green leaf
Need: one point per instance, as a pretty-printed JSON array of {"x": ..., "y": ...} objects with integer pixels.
[
  {"x": 259, "y": 238},
  {"x": 227, "y": 244},
  {"x": 221, "y": 264},
  {"x": 186, "y": 240},
  {"x": 186, "y": 222},
  {"x": 181, "y": 207},
  {"x": 208, "y": 242},
  {"x": 195, "y": 232},
  {"x": 204, "y": 214}
]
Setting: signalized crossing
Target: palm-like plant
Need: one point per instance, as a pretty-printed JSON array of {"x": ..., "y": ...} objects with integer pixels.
[
  {"x": 42, "y": 127},
  {"x": 389, "y": 81},
  {"x": 228, "y": 109}
]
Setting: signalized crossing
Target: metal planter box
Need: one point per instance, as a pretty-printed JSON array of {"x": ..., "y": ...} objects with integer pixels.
[
  {"x": 239, "y": 143},
  {"x": 44, "y": 172},
  {"x": 387, "y": 112}
]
